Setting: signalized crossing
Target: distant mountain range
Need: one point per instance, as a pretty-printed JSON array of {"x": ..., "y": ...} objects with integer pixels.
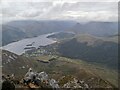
[
  {"x": 17, "y": 30},
  {"x": 96, "y": 28}
]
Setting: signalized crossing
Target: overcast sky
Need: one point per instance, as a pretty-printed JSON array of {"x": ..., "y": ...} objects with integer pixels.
[{"x": 98, "y": 10}]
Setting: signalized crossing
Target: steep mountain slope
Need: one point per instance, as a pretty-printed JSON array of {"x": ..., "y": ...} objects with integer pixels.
[
  {"x": 56, "y": 68},
  {"x": 11, "y": 34},
  {"x": 89, "y": 48},
  {"x": 14, "y": 64}
]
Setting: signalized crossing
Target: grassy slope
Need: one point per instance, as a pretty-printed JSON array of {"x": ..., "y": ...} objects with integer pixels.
[
  {"x": 77, "y": 66},
  {"x": 89, "y": 48},
  {"x": 112, "y": 39},
  {"x": 57, "y": 68}
]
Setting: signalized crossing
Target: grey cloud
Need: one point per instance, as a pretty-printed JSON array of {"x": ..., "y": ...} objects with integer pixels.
[
  {"x": 14, "y": 8},
  {"x": 65, "y": 10},
  {"x": 90, "y": 6}
]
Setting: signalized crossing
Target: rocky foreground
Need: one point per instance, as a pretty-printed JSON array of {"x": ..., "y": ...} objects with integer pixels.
[
  {"x": 43, "y": 81},
  {"x": 52, "y": 72}
]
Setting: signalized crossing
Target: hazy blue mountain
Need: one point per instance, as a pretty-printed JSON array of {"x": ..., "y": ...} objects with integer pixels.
[
  {"x": 33, "y": 28},
  {"x": 16, "y": 30},
  {"x": 96, "y": 28},
  {"x": 0, "y": 35},
  {"x": 11, "y": 34}
]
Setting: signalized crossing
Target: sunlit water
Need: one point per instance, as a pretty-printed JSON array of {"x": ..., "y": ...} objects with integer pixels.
[{"x": 18, "y": 47}]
